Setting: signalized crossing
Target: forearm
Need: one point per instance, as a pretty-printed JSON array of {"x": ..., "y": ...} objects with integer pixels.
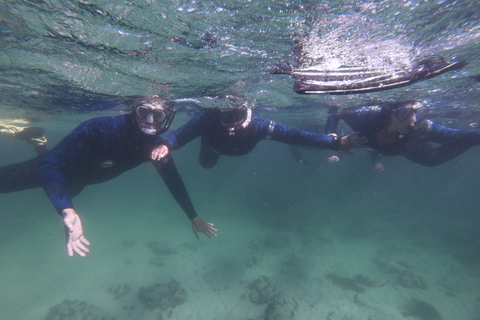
[
  {"x": 168, "y": 171},
  {"x": 55, "y": 187},
  {"x": 284, "y": 134},
  {"x": 441, "y": 134}
]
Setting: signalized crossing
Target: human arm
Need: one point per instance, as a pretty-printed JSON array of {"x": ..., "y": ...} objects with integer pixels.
[
  {"x": 168, "y": 171},
  {"x": 76, "y": 242},
  {"x": 192, "y": 129},
  {"x": 56, "y": 190},
  {"x": 437, "y": 133},
  {"x": 281, "y": 133}
]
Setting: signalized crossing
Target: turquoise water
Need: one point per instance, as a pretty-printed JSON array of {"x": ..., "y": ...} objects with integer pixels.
[{"x": 293, "y": 239}]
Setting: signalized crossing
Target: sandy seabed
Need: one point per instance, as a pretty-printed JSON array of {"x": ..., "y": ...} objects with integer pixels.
[{"x": 149, "y": 266}]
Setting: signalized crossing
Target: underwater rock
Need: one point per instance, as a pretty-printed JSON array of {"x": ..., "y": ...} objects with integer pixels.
[
  {"x": 421, "y": 310},
  {"x": 119, "y": 291},
  {"x": 408, "y": 280},
  {"x": 159, "y": 249},
  {"x": 162, "y": 296},
  {"x": 345, "y": 283},
  {"x": 262, "y": 291},
  {"x": 278, "y": 309},
  {"x": 76, "y": 310},
  {"x": 128, "y": 243},
  {"x": 401, "y": 270},
  {"x": 157, "y": 262},
  {"x": 367, "y": 282}
]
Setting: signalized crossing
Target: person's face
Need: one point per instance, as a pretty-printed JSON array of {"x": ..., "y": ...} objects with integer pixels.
[
  {"x": 150, "y": 118},
  {"x": 403, "y": 126},
  {"x": 232, "y": 117},
  {"x": 406, "y": 118}
]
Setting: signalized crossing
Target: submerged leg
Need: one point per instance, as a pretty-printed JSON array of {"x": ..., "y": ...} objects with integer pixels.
[
  {"x": 19, "y": 176},
  {"x": 208, "y": 157}
]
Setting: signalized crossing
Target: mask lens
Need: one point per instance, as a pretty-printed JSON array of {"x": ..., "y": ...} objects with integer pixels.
[
  {"x": 421, "y": 112},
  {"x": 240, "y": 115},
  {"x": 142, "y": 112},
  {"x": 403, "y": 113},
  {"x": 227, "y": 117},
  {"x": 159, "y": 116}
]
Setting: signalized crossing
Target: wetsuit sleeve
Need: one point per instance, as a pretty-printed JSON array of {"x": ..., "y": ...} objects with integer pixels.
[
  {"x": 168, "y": 171},
  {"x": 189, "y": 131},
  {"x": 281, "y": 133},
  {"x": 55, "y": 186},
  {"x": 67, "y": 155},
  {"x": 445, "y": 135}
]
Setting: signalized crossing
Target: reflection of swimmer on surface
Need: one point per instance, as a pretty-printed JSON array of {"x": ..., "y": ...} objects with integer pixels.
[
  {"x": 402, "y": 129},
  {"x": 98, "y": 150},
  {"x": 34, "y": 136},
  {"x": 236, "y": 132}
]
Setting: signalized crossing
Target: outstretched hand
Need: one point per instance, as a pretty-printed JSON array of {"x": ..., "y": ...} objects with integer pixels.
[
  {"x": 74, "y": 233},
  {"x": 352, "y": 141},
  {"x": 207, "y": 228},
  {"x": 159, "y": 152}
]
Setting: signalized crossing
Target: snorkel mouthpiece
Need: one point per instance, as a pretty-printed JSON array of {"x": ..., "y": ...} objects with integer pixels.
[{"x": 149, "y": 131}]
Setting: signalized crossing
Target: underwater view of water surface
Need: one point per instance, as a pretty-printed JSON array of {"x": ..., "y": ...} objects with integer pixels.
[{"x": 311, "y": 240}]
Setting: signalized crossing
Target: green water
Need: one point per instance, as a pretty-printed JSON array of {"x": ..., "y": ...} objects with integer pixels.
[{"x": 291, "y": 238}]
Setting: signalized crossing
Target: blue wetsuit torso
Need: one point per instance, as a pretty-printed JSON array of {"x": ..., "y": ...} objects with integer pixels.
[
  {"x": 97, "y": 150},
  {"x": 208, "y": 125},
  {"x": 372, "y": 121}
]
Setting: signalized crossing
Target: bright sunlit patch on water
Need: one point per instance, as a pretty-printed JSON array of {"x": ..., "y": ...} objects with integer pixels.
[{"x": 354, "y": 42}]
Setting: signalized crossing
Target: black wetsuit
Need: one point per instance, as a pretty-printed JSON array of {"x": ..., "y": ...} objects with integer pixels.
[
  {"x": 217, "y": 140},
  {"x": 372, "y": 121},
  {"x": 97, "y": 150}
]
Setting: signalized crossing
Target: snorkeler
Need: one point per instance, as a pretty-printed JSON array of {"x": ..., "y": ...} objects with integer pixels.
[
  {"x": 402, "y": 129},
  {"x": 98, "y": 150},
  {"x": 236, "y": 132}
]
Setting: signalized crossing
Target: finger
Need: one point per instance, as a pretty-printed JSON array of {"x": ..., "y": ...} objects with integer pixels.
[
  {"x": 84, "y": 240},
  {"x": 81, "y": 246},
  {"x": 79, "y": 252},
  {"x": 69, "y": 250}
]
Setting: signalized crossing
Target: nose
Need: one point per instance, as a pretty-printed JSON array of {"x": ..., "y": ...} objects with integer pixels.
[
  {"x": 414, "y": 118},
  {"x": 150, "y": 117}
]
